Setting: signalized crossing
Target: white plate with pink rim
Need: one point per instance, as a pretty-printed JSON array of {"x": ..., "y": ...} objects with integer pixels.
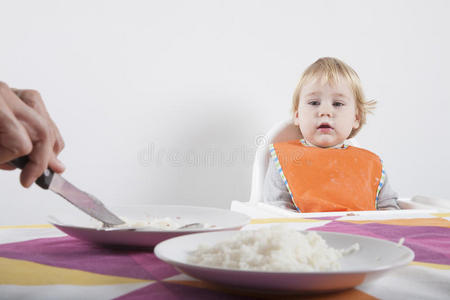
[
  {"x": 83, "y": 227},
  {"x": 372, "y": 260}
]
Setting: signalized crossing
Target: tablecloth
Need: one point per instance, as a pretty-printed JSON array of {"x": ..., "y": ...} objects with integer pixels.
[{"x": 40, "y": 262}]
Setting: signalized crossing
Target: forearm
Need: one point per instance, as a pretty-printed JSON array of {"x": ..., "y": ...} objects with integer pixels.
[
  {"x": 275, "y": 191},
  {"x": 387, "y": 198}
]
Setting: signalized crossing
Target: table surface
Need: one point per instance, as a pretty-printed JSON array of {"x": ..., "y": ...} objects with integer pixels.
[{"x": 40, "y": 262}]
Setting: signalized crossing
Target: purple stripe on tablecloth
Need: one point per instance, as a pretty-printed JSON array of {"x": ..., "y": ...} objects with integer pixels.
[
  {"x": 72, "y": 253},
  {"x": 430, "y": 243},
  {"x": 155, "y": 267},
  {"x": 169, "y": 291}
]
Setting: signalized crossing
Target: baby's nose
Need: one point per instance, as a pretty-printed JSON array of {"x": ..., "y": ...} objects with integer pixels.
[{"x": 325, "y": 113}]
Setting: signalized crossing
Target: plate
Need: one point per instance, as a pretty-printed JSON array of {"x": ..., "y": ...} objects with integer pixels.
[
  {"x": 85, "y": 228},
  {"x": 374, "y": 258}
]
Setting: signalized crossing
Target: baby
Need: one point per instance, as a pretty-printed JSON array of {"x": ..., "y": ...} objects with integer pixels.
[{"x": 321, "y": 172}]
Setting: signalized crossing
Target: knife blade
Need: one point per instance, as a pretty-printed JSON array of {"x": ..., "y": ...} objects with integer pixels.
[{"x": 84, "y": 201}]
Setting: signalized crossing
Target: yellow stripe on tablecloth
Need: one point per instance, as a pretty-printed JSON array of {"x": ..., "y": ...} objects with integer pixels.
[
  {"x": 441, "y": 215},
  {"x": 283, "y": 220},
  {"x": 431, "y": 265},
  {"x": 342, "y": 295},
  {"x": 27, "y": 226},
  {"x": 440, "y": 222},
  {"x": 21, "y": 272}
]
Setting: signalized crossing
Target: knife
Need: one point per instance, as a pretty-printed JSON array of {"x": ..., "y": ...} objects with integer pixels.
[{"x": 50, "y": 180}]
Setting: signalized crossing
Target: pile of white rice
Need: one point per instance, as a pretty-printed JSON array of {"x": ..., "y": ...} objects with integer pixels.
[
  {"x": 151, "y": 223},
  {"x": 275, "y": 248},
  {"x": 156, "y": 223}
]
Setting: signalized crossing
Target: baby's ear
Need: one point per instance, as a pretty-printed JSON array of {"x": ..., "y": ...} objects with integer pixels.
[
  {"x": 296, "y": 121},
  {"x": 357, "y": 121}
]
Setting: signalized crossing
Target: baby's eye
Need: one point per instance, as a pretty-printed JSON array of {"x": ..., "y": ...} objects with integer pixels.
[
  {"x": 338, "y": 104},
  {"x": 314, "y": 102}
]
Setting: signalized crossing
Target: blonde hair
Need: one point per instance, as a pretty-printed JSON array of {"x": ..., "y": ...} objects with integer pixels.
[{"x": 332, "y": 70}]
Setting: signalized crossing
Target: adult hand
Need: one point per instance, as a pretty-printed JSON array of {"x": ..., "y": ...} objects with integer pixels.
[{"x": 27, "y": 129}]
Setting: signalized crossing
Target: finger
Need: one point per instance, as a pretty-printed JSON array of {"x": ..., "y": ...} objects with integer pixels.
[
  {"x": 41, "y": 137},
  {"x": 7, "y": 167},
  {"x": 38, "y": 162},
  {"x": 56, "y": 165},
  {"x": 14, "y": 140},
  {"x": 34, "y": 100},
  {"x": 59, "y": 142},
  {"x": 40, "y": 155}
]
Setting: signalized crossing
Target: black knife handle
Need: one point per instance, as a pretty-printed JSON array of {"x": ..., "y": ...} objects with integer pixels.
[{"x": 43, "y": 181}]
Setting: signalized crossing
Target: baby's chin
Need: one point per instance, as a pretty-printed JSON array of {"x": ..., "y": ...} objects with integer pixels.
[
  {"x": 326, "y": 145},
  {"x": 325, "y": 142}
]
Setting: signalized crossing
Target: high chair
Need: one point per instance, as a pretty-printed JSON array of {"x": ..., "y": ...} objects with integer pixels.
[{"x": 287, "y": 131}]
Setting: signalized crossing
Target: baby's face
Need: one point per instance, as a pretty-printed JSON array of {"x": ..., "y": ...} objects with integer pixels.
[{"x": 326, "y": 113}]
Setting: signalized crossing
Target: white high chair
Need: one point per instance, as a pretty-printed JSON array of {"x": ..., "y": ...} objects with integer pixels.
[{"x": 287, "y": 131}]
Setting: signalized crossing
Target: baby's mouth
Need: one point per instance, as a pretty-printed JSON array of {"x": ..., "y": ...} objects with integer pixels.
[{"x": 325, "y": 126}]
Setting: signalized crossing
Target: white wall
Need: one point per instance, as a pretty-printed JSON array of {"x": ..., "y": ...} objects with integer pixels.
[{"x": 126, "y": 80}]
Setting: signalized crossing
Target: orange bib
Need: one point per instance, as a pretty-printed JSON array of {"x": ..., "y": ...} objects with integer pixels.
[{"x": 329, "y": 179}]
